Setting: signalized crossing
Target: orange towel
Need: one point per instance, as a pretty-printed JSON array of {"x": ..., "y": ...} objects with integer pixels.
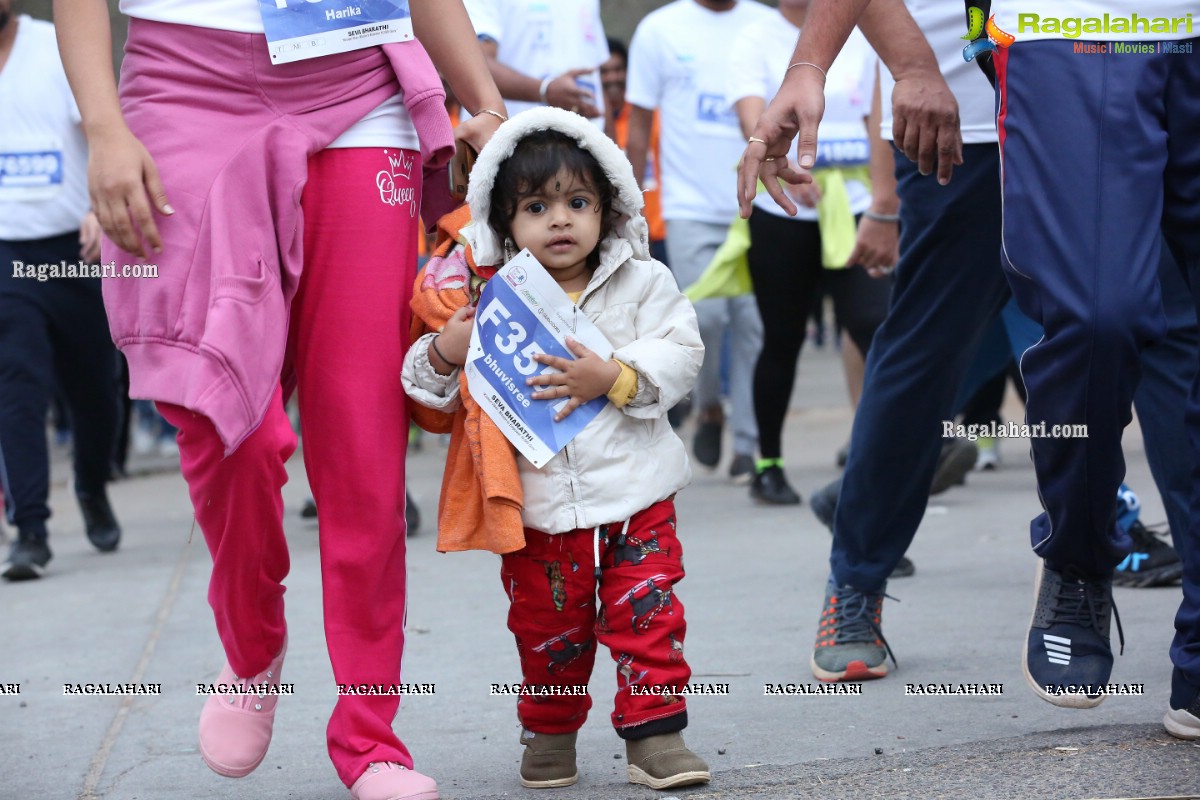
[{"x": 481, "y": 502}]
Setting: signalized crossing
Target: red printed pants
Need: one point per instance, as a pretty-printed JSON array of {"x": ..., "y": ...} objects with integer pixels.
[{"x": 552, "y": 589}]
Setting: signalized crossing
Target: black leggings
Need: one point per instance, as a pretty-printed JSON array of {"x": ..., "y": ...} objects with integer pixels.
[{"x": 785, "y": 266}]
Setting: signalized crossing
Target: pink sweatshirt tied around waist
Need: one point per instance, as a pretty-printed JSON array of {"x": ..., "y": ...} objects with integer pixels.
[{"x": 231, "y": 135}]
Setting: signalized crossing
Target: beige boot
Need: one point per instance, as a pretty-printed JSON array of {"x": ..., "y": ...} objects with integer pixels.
[
  {"x": 664, "y": 762},
  {"x": 549, "y": 760}
]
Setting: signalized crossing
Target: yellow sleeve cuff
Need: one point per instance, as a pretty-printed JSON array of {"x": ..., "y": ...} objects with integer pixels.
[{"x": 625, "y": 388}]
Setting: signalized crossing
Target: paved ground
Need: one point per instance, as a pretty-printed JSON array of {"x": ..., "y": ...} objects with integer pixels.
[{"x": 753, "y": 592}]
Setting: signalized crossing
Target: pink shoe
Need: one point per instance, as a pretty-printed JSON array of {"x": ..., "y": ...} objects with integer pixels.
[
  {"x": 385, "y": 780},
  {"x": 235, "y": 727}
]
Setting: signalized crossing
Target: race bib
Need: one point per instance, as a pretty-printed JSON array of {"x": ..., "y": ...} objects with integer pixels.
[
  {"x": 843, "y": 153},
  {"x": 30, "y": 171},
  {"x": 522, "y": 312},
  {"x": 715, "y": 109},
  {"x": 301, "y": 29}
]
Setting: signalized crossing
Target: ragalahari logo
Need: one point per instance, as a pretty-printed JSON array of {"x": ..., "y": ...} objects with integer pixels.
[{"x": 977, "y": 42}]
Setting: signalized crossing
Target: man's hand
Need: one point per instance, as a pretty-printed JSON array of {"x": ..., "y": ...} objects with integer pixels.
[
  {"x": 123, "y": 183},
  {"x": 796, "y": 110},
  {"x": 564, "y": 92},
  {"x": 89, "y": 238},
  {"x": 925, "y": 123},
  {"x": 877, "y": 247},
  {"x": 583, "y": 379},
  {"x": 449, "y": 349}
]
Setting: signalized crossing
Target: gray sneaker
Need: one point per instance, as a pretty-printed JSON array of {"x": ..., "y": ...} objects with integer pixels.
[
  {"x": 27, "y": 559},
  {"x": 850, "y": 644}
]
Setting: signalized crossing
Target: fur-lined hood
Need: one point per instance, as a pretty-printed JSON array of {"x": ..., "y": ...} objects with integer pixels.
[{"x": 630, "y": 225}]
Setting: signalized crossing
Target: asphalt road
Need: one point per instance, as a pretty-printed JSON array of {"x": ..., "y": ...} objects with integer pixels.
[{"x": 753, "y": 593}]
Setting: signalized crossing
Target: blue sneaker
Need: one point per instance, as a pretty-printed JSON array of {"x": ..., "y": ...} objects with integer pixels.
[{"x": 1068, "y": 658}]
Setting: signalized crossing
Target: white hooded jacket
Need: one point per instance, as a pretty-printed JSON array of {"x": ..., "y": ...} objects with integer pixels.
[{"x": 627, "y": 458}]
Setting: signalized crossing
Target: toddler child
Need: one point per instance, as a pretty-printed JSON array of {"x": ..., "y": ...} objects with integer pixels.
[{"x": 599, "y": 516}]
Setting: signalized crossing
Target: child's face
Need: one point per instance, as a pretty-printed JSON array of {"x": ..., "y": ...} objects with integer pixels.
[{"x": 560, "y": 224}]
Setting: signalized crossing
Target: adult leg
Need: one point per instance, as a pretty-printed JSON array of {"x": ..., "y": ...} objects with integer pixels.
[
  {"x": 1181, "y": 227},
  {"x": 943, "y": 297},
  {"x": 347, "y": 343},
  {"x": 26, "y": 386},
  {"x": 691, "y": 246},
  {"x": 745, "y": 343},
  {"x": 1082, "y": 258},
  {"x": 1168, "y": 370},
  {"x": 785, "y": 267},
  {"x": 239, "y": 509},
  {"x": 87, "y": 368}
]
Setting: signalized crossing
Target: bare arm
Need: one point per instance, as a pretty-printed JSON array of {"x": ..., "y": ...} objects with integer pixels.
[
  {"x": 883, "y": 163},
  {"x": 122, "y": 178},
  {"x": 562, "y": 92},
  {"x": 637, "y": 143},
  {"x": 749, "y": 109},
  {"x": 445, "y": 30},
  {"x": 924, "y": 112},
  {"x": 924, "y": 108},
  {"x": 876, "y": 246}
]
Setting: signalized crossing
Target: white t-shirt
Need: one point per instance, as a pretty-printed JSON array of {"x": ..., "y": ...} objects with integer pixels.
[
  {"x": 757, "y": 61},
  {"x": 944, "y": 23},
  {"x": 543, "y": 39},
  {"x": 678, "y": 63},
  {"x": 43, "y": 154},
  {"x": 1084, "y": 20},
  {"x": 389, "y": 125}
]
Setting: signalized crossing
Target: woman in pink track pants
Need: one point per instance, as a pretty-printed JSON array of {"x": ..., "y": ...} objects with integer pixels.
[{"x": 285, "y": 228}]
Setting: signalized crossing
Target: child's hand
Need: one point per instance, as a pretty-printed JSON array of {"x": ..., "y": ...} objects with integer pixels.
[
  {"x": 452, "y": 343},
  {"x": 583, "y": 380}
]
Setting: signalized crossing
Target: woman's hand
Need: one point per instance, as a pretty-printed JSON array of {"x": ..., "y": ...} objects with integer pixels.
[
  {"x": 477, "y": 130},
  {"x": 124, "y": 186},
  {"x": 89, "y": 238},
  {"x": 452, "y": 343},
  {"x": 877, "y": 247},
  {"x": 582, "y": 380}
]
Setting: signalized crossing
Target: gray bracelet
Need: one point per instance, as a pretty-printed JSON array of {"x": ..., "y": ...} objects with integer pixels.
[{"x": 869, "y": 214}]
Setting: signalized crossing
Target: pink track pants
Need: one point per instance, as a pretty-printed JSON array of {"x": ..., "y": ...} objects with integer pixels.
[{"x": 347, "y": 339}]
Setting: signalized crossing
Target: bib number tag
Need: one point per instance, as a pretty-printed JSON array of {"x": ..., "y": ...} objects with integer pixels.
[
  {"x": 30, "y": 171},
  {"x": 301, "y": 29}
]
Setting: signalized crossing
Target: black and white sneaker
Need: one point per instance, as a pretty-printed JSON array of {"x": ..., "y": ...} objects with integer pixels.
[
  {"x": 1182, "y": 719},
  {"x": 1068, "y": 658},
  {"x": 27, "y": 559},
  {"x": 1153, "y": 562}
]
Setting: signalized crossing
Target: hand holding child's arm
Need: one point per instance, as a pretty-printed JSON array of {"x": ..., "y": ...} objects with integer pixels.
[
  {"x": 583, "y": 380},
  {"x": 448, "y": 350}
]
